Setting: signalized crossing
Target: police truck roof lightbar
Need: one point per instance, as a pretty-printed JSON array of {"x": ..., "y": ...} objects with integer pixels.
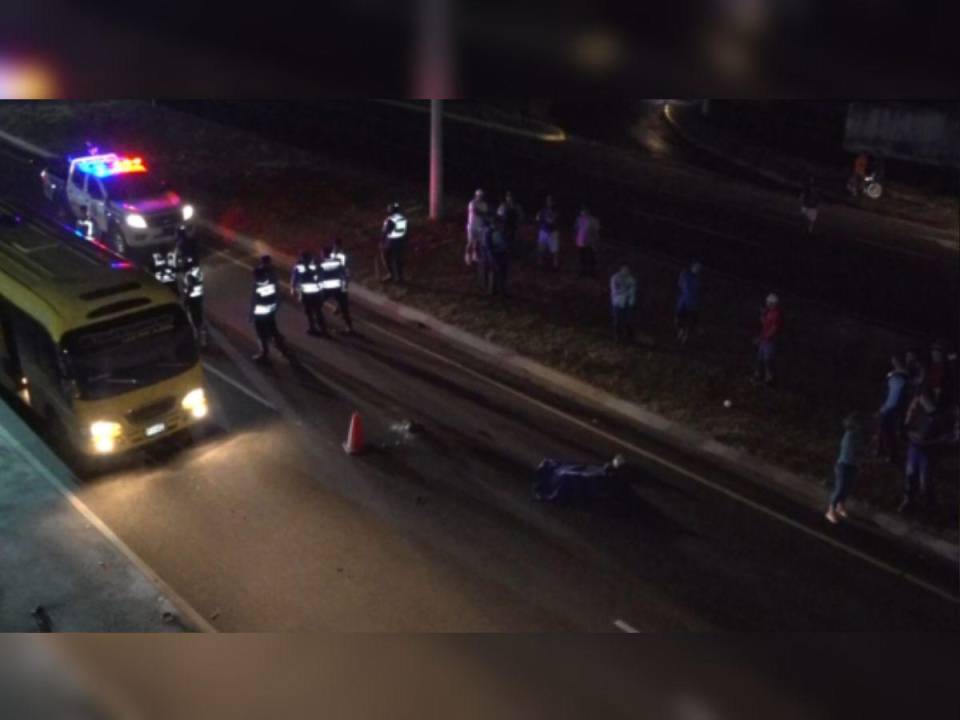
[{"x": 109, "y": 164}]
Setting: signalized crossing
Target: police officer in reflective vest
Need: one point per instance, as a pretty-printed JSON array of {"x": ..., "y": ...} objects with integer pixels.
[
  {"x": 334, "y": 283},
  {"x": 263, "y": 309},
  {"x": 394, "y": 242},
  {"x": 192, "y": 293},
  {"x": 305, "y": 281},
  {"x": 340, "y": 254},
  {"x": 163, "y": 269},
  {"x": 85, "y": 227}
]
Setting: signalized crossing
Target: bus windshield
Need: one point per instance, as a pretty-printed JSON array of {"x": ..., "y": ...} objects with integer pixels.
[{"x": 121, "y": 355}]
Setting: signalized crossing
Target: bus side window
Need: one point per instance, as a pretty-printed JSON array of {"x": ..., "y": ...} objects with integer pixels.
[
  {"x": 9, "y": 359},
  {"x": 37, "y": 351}
]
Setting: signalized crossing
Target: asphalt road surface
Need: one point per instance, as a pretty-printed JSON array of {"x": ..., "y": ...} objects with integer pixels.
[{"x": 264, "y": 523}]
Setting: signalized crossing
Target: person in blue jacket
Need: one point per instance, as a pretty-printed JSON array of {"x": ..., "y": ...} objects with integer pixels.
[
  {"x": 688, "y": 302},
  {"x": 891, "y": 413}
]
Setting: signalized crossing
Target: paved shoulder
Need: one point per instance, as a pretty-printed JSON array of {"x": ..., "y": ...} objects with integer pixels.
[{"x": 63, "y": 571}]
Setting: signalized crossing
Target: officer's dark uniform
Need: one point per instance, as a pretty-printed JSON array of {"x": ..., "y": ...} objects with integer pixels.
[
  {"x": 185, "y": 247},
  {"x": 305, "y": 280},
  {"x": 263, "y": 310},
  {"x": 334, "y": 285},
  {"x": 394, "y": 242},
  {"x": 162, "y": 264},
  {"x": 192, "y": 282}
]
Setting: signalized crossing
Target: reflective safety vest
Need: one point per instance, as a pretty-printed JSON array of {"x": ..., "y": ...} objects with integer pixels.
[
  {"x": 334, "y": 274},
  {"x": 85, "y": 228},
  {"x": 265, "y": 298},
  {"x": 306, "y": 278},
  {"x": 193, "y": 283},
  {"x": 397, "y": 226},
  {"x": 162, "y": 270}
]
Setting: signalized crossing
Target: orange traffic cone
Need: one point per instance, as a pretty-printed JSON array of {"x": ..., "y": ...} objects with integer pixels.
[{"x": 354, "y": 443}]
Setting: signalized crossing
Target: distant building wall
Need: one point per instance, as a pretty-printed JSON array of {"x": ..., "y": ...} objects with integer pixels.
[{"x": 920, "y": 133}]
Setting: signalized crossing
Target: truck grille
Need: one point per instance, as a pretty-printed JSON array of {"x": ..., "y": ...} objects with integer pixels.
[
  {"x": 165, "y": 221},
  {"x": 153, "y": 411}
]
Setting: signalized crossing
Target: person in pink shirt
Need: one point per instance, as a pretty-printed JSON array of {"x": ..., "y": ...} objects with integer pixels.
[{"x": 587, "y": 232}]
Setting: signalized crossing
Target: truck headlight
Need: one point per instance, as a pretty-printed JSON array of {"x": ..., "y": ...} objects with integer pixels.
[
  {"x": 187, "y": 212},
  {"x": 105, "y": 434},
  {"x": 136, "y": 221},
  {"x": 195, "y": 402}
]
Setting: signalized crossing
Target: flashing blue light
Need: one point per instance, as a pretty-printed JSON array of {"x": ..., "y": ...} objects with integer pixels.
[{"x": 109, "y": 164}]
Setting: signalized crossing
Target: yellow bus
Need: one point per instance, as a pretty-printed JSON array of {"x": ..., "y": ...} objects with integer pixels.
[{"x": 96, "y": 347}]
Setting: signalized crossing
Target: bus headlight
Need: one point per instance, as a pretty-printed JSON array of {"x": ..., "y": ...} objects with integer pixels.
[
  {"x": 105, "y": 434},
  {"x": 187, "y": 212},
  {"x": 195, "y": 402},
  {"x": 136, "y": 221}
]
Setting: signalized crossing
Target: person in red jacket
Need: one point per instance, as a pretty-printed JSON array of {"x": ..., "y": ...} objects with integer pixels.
[{"x": 771, "y": 323}]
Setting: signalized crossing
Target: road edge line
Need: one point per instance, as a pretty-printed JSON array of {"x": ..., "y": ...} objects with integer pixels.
[{"x": 187, "y": 611}]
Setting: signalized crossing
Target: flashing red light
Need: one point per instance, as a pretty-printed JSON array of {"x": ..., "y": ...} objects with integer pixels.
[{"x": 110, "y": 164}]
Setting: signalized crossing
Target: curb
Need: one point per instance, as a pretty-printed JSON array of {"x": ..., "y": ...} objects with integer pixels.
[{"x": 675, "y": 434}]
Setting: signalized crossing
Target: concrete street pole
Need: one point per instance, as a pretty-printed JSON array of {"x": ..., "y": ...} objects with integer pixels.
[
  {"x": 435, "y": 79},
  {"x": 436, "y": 159}
]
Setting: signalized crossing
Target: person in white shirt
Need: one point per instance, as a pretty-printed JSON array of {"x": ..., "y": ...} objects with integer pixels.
[{"x": 477, "y": 212}]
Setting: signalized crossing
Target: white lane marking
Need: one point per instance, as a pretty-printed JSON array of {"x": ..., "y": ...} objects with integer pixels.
[
  {"x": 235, "y": 383},
  {"x": 664, "y": 463},
  {"x": 732, "y": 494},
  {"x": 626, "y": 627},
  {"x": 192, "y": 615}
]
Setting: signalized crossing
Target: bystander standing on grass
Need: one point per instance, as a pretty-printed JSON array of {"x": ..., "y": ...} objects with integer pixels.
[
  {"x": 891, "y": 413},
  {"x": 940, "y": 380},
  {"x": 511, "y": 215},
  {"x": 477, "y": 211},
  {"x": 929, "y": 431},
  {"x": 688, "y": 302},
  {"x": 548, "y": 235},
  {"x": 846, "y": 467},
  {"x": 623, "y": 303},
  {"x": 499, "y": 248},
  {"x": 916, "y": 371},
  {"x": 587, "y": 234},
  {"x": 771, "y": 325},
  {"x": 485, "y": 257}
]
